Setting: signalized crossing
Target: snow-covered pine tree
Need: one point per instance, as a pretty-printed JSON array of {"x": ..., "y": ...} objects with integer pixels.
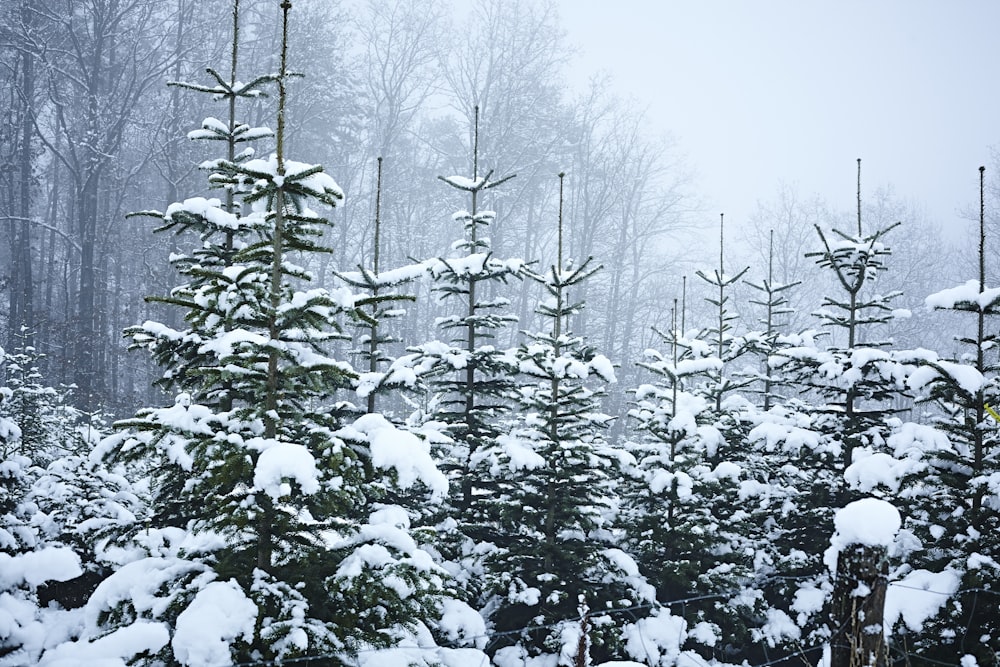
[
  {"x": 217, "y": 235},
  {"x": 27, "y": 561},
  {"x": 724, "y": 395},
  {"x": 774, "y": 300},
  {"x": 682, "y": 545},
  {"x": 954, "y": 503},
  {"x": 472, "y": 380},
  {"x": 763, "y": 494},
  {"x": 283, "y": 548},
  {"x": 842, "y": 410},
  {"x": 57, "y": 507},
  {"x": 720, "y": 332},
  {"x": 41, "y": 412},
  {"x": 212, "y": 233},
  {"x": 377, "y": 304},
  {"x": 555, "y": 477},
  {"x": 709, "y": 434}
]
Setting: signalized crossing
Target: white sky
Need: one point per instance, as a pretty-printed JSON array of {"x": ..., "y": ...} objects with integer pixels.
[{"x": 764, "y": 91}]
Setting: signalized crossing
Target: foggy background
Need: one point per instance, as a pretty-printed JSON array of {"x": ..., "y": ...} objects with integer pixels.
[
  {"x": 662, "y": 115},
  {"x": 793, "y": 92}
]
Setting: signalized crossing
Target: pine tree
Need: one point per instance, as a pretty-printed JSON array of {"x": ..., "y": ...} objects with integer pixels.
[
  {"x": 280, "y": 488},
  {"x": 15, "y": 534},
  {"x": 471, "y": 378},
  {"x": 58, "y": 509},
  {"x": 41, "y": 412},
  {"x": 214, "y": 232},
  {"x": 218, "y": 233},
  {"x": 683, "y": 545},
  {"x": 555, "y": 476},
  {"x": 376, "y": 309},
  {"x": 842, "y": 412},
  {"x": 764, "y": 342},
  {"x": 720, "y": 332},
  {"x": 21, "y": 543},
  {"x": 707, "y": 443},
  {"x": 953, "y": 501}
]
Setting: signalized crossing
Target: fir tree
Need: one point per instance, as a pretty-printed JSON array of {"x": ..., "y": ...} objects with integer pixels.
[
  {"x": 953, "y": 494},
  {"x": 379, "y": 305},
  {"x": 41, "y": 412},
  {"x": 58, "y": 512},
  {"x": 682, "y": 543},
  {"x": 763, "y": 342},
  {"x": 842, "y": 412},
  {"x": 720, "y": 332},
  {"x": 218, "y": 234},
  {"x": 471, "y": 378},
  {"x": 555, "y": 477},
  {"x": 282, "y": 523}
]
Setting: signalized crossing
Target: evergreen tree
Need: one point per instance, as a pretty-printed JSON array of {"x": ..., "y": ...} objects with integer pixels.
[
  {"x": 842, "y": 412},
  {"x": 953, "y": 493},
  {"x": 41, "y": 412},
  {"x": 707, "y": 435},
  {"x": 379, "y": 305},
  {"x": 555, "y": 478},
  {"x": 22, "y": 546},
  {"x": 720, "y": 332},
  {"x": 763, "y": 342},
  {"x": 58, "y": 509},
  {"x": 471, "y": 378},
  {"x": 281, "y": 522},
  {"x": 217, "y": 235},
  {"x": 682, "y": 543},
  {"x": 15, "y": 533}
]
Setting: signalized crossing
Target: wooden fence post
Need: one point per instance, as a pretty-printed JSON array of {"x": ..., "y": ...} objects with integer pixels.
[{"x": 864, "y": 531}]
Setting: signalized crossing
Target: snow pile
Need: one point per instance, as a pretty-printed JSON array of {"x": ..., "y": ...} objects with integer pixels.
[
  {"x": 964, "y": 297},
  {"x": 777, "y": 629},
  {"x": 872, "y": 469},
  {"x": 965, "y": 377},
  {"x": 388, "y": 278},
  {"x": 518, "y": 453},
  {"x": 918, "y": 596},
  {"x": 285, "y": 460},
  {"x": 461, "y": 624},
  {"x": 782, "y": 430},
  {"x": 112, "y": 650},
  {"x": 137, "y": 585},
  {"x": 913, "y": 441},
  {"x": 384, "y": 550},
  {"x": 656, "y": 639},
  {"x": 809, "y": 600},
  {"x": 400, "y": 451},
  {"x": 37, "y": 567},
  {"x": 632, "y": 576},
  {"x": 219, "y": 614},
  {"x": 316, "y": 184},
  {"x": 869, "y": 522},
  {"x": 209, "y": 209},
  {"x": 474, "y": 265},
  {"x": 464, "y": 183}
]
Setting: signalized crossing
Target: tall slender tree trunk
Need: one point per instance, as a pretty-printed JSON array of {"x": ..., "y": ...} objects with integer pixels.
[
  {"x": 88, "y": 207},
  {"x": 87, "y": 335},
  {"x": 22, "y": 309}
]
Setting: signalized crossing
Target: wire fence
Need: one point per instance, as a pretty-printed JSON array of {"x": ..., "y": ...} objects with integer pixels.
[{"x": 806, "y": 656}]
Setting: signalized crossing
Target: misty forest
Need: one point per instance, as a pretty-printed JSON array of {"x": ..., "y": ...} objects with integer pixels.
[{"x": 347, "y": 333}]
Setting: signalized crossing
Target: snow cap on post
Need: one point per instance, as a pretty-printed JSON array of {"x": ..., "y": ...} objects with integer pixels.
[{"x": 869, "y": 521}]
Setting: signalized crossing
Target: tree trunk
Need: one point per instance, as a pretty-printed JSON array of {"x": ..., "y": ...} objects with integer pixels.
[
  {"x": 22, "y": 310},
  {"x": 86, "y": 336}
]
